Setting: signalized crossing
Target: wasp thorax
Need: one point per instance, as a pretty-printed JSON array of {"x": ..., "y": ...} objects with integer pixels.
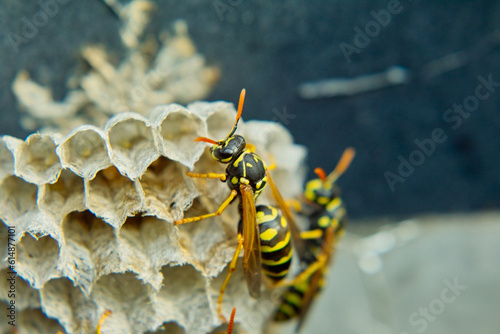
[
  {"x": 229, "y": 149},
  {"x": 320, "y": 192}
]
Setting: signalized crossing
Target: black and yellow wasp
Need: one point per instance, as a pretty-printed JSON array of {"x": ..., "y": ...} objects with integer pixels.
[
  {"x": 263, "y": 233},
  {"x": 326, "y": 216}
]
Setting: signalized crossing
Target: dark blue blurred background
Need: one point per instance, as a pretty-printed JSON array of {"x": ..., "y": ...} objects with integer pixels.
[{"x": 270, "y": 47}]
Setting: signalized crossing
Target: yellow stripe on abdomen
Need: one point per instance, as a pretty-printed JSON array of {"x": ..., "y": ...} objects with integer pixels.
[{"x": 278, "y": 246}]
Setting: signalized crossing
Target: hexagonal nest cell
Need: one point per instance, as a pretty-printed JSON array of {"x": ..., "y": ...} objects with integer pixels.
[{"x": 93, "y": 214}]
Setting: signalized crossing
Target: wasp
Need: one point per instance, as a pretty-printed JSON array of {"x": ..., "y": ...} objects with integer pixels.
[
  {"x": 326, "y": 215},
  {"x": 263, "y": 232}
]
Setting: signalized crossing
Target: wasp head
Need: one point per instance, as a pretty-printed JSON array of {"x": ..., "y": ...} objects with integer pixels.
[
  {"x": 322, "y": 190},
  {"x": 229, "y": 149}
]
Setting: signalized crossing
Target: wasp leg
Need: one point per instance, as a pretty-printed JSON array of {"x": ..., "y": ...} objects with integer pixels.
[
  {"x": 231, "y": 322},
  {"x": 230, "y": 325},
  {"x": 101, "y": 320},
  {"x": 250, "y": 147},
  {"x": 314, "y": 234},
  {"x": 295, "y": 204},
  {"x": 221, "y": 176},
  {"x": 232, "y": 267},
  {"x": 219, "y": 211},
  {"x": 273, "y": 163},
  {"x": 222, "y": 207},
  {"x": 308, "y": 272}
]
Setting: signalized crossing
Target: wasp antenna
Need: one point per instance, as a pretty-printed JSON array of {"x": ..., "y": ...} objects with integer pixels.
[
  {"x": 206, "y": 140},
  {"x": 240, "y": 104},
  {"x": 343, "y": 164},
  {"x": 321, "y": 174},
  {"x": 240, "y": 111}
]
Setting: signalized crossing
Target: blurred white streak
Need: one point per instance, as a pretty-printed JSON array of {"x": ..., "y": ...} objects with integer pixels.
[{"x": 394, "y": 75}]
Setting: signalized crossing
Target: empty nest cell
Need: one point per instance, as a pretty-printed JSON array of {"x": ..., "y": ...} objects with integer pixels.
[
  {"x": 178, "y": 130},
  {"x": 207, "y": 245},
  {"x": 17, "y": 198},
  {"x": 134, "y": 252},
  {"x": 132, "y": 145},
  {"x": 129, "y": 300},
  {"x": 99, "y": 237},
  {"x": 221, "y": 119},
  {"x": 84, "y": 152},
  {"x": 62, "y": 301},
  {"x": 37, "y": 161},
  {"x": 167, "y": 189},
  {"x": 64, "y": 196},
  {"x": 183, "y": 297},
  {"x": 146, "y": 244},
  {"x": 112, "y": 196},
  {"x": 76, "y": 256},
  {"x": 37, "y": 259},
  {"x": 34, "y": 321}
]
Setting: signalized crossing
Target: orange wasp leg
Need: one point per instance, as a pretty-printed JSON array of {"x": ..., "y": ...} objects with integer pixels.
[
  {"x": 219, "y": 211},
  {"x": 250, "y": 147},
  {"x": 232, "y": 267},
  {"x": 101, "y": 320},
  {"x": 313, "y": 267},
  {"x": 220, "y": 176},
  {"x": 99, "y": 324},
  {"x": 231, "y": 322},
  {"x": 314, "y": 234}
]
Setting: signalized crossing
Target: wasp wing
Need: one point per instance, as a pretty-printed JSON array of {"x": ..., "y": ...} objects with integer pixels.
[
  {"x": 315, "y": 280},
  {"x": 307, "y": 299},
  {"x": 298, "y": 242},
  {"x": 251, "y": 242}
]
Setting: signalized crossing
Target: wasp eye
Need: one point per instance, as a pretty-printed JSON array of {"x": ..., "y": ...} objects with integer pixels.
[
  {"x": 229, "y": 150},
  {"x": 225, "y": 153}
]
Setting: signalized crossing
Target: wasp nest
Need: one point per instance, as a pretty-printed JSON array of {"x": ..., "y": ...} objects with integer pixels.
[{"x": 93, "y": 214}]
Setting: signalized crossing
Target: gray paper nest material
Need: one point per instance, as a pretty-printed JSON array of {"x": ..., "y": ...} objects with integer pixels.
[
  {"x": 150, "y": 74},
  {"x": 93, "y": 213}
]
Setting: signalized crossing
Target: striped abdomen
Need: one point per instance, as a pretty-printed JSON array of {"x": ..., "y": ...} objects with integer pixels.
[
  {"x": 331, "y": 214},
  {"x": 276, "y": 249},
  {"x": 292, "y": 300}
]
